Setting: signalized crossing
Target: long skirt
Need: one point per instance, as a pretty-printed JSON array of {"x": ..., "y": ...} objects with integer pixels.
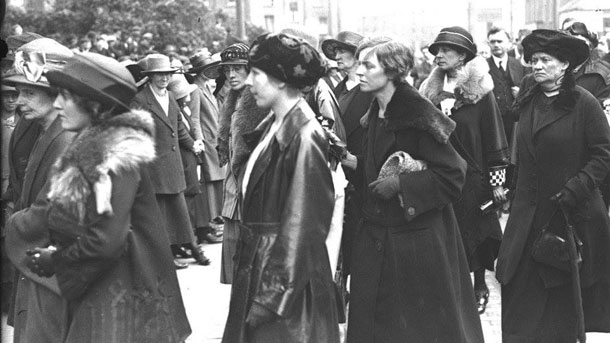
[
  {"x": 229, "y": 248},
  {"x": 535, "y": 313},
  {"x": 210, "y": 203},
  {"x": 175, "y": 216}
]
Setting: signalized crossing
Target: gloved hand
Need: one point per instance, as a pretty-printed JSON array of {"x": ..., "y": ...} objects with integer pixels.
[
  {"x": 385, "y": 188},
  {"x": 41, "y": 261},
  {"x": 259, "y": 315},
  {"x": 565, "y": 198}
]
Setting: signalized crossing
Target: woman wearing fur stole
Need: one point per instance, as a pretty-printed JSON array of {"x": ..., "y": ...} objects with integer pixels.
[
  {"x": 462, "y": 88},
  {"x": 106, "y": 256},
  {"x": 238, "y": 115}
]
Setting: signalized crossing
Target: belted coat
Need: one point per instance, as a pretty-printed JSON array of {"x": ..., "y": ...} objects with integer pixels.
[{"x": 282, "y": 263}]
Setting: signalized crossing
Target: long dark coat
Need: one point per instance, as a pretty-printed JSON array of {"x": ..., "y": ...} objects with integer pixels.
[
  {"x": 115, "y": 280},
  {"x": 353, "y": 104},
  {"x": 410, "y": 279},
  {"x": 568, "y": 149},
  {"x": 282, "y": 263},
  {"x": 479, "y": 138}
]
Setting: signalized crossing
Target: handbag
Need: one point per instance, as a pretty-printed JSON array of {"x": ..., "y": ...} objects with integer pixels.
[{"x": 551, "y": 249}]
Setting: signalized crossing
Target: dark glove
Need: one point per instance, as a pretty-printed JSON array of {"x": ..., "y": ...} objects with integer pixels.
[
  {"x": 259, "y": 315},
  {"x": 41, "y": 261},
  {"x": 385, "y": 188},
  {"x": 565, "y": 198}
]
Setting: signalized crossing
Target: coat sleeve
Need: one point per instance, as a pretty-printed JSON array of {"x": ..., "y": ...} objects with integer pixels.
[
  {"x": 102, "y": 244},
  {"x": 184, "y": 138},
  {"x": 195, "y": 107},
  {"x": 495, "y": 145},
  {"x": 304, "y": 224},
  {"x": 436, "y": 186},
  {"x": 597, "y": 140}
]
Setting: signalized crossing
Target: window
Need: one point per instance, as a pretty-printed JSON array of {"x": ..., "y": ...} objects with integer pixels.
[{"x": 270, "y": 23}]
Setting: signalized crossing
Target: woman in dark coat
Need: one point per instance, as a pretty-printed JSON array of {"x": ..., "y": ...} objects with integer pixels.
[
  {"x": 410, "y": 280},
  {"x": 106, "y": 255},
  {"x": 462, "y": 87},
  {"x": 563, "y": 147},
  {"x": 283, "y": 289}
]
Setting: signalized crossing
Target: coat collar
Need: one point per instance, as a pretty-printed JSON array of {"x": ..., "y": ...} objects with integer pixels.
[
  {"x": 155, "y": 108},
  {"x": 473, "y": 83},
  {"x": 408, "y": 109}
]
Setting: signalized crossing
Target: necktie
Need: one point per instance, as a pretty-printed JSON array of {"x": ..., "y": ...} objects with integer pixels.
[{"x": 500, "y": 67}]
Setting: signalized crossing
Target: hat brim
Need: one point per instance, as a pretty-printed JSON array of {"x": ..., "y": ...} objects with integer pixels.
[
  {"x": 167, "y": 70},
  {"x": 20, "y": 79},
  {"x": 234, "y": 62},
  {"x": 73, "y": 84},
  {"x": 210, "y": 70},
  {"x": 329, "y": 48},
  {"x": 575, "y": 49},
  {"x": 433, "y": 48}
]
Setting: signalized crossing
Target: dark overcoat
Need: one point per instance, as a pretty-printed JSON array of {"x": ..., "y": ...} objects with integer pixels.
[
  {"x": 282, "y": 263},
  {"x": 410, "y": 279},
  {"x": 595, "y": 77},
  {"x": 569, "y": 148},
  {"x": 353, "y": 104},
  {"x": 166, "y": 171}
]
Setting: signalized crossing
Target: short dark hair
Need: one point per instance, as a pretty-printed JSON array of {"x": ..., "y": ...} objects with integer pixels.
[
  {"x": 495, "y": 30},
  {"x": 395, "y": 57}
]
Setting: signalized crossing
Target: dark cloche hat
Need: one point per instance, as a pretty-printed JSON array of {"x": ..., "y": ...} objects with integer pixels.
[
  {"x": 557, "y": 44},
  {"x": 456, "y": 37},
  {"x": 346, "y": 40},
  {"x": 96, "y": 77},
  {"x": 287, "y": 58},
  {"x": 235, "y": 54}
]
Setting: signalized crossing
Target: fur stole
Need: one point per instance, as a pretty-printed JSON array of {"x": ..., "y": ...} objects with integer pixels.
[
  {"x": 473, "y": 83},
  {"x": 122, "y": 143},
  {"x": 238, "y": 116},
  {"x": 408, "y": 108}
]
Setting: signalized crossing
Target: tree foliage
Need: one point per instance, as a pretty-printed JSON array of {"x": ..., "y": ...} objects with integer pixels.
[{"x": 178, "y": 22}]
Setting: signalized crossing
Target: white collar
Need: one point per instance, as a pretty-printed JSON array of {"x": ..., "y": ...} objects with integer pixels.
[{"x": 504, "y": 61}]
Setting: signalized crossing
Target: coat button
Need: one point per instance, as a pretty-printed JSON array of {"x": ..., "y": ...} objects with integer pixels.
[
  {"x": 173, "y": 134},
  {"x": 173, "y": 148},
  {"x": 378, "y": 245},
  {"x": 411, "y": 211}
]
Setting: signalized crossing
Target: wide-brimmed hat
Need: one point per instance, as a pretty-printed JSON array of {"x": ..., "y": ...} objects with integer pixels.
[
  {"x": 346, "y": 40},
  {"x": 579, "y": 29},
  {"x": 35, "y": 59},
  {"x": 557, "y": 44},
  {"x": 180, "y": 87},
  {"x": 203, "y": 61},
  {"x": 14, "y": 42},
  {"x": 96, "y": 77},
  {"x": 455, "y": 37},
  {"x": 235, "y": 54},
  {"x": 288, "y": 59},
  {"x": 156, "y": 63}
]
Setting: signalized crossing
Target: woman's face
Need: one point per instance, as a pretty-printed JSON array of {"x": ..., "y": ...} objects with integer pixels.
[
  {"x": 547, "y": 69},
  {"x": 74, "y": 117},
  {"x": 373, "y": 77},
  {"x": 449, "y": 59},
  {"x": 263, "y": 87},
  {"x": 34, "y": 102},
  {"x": 160, "y": 80},
  {"x": 236, "y": 75},
  {"x": 9, "y": 101},
  {"x": 345, "y": 59}
]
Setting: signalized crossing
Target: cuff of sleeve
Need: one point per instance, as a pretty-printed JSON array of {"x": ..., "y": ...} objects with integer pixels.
[
  {"x": 497, "y": 176},
  {"x": 579, "y": 188}
]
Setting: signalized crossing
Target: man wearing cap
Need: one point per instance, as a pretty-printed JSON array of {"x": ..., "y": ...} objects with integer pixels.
[
  {"x": 36, "y": 103},
  {"x": 506, "y": 73},
  {"x": 167, "y": 172},
  {"x": 354, "y": 103},
  {"x": 205, "y": 68}
]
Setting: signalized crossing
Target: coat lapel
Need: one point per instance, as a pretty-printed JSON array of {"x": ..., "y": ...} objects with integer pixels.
[
  {"x": 155, "y": 108},
  {"x": 38, "y": 153},
  {"x": 550, "y": 118}
]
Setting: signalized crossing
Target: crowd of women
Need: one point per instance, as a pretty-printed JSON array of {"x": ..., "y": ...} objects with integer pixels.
[{"x": 317, "y": 182}]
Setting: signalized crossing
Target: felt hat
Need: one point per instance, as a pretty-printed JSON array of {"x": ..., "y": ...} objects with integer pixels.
[
  {"x": 579, "y": 29},
  {"x": 96, "y": 77},
  {"x": 287, "y": 58},
  {"x": 14, "y": 42},
  {"x": 203, "y": 61},
  {"x": 455, "y": 37},
  {"x": 156, "y": 63},
  {"x": 180, "y": 87},
  {"x": 557, "y": 44},
  {"x": 35, "y": 59},
  {"x": 346, "y": 40}
]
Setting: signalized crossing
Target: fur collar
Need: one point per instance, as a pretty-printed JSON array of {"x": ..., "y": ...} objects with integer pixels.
[
  {"x": 238, "y": 116},
  {"x": 473, "y": 83},
  {"x": 121, "y": 143},
  {"x": 408, "y": 108}
]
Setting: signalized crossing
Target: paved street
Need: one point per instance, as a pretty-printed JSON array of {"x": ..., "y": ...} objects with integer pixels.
[{"x": 206, "y": 302}]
